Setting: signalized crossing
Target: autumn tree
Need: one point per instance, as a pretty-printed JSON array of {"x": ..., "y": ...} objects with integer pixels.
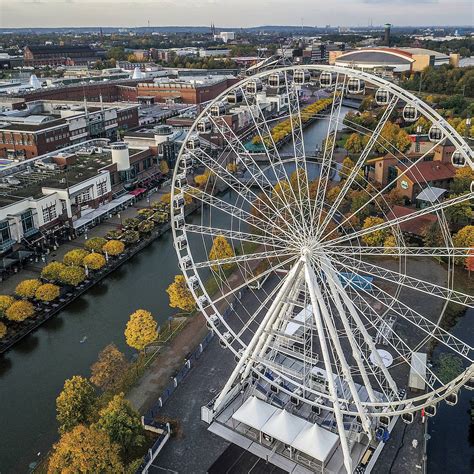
[
  {"x": 470, "y": 262},
  {"x": 432, "y": 235},
  {"x": 164, "y": 168},
  {"x": 75, "y": 403},
  {"x": 51, "y": 271},
  {"x": 20, "y": 310},
  {"x": 180, "y": 296},
  {"x": 107, "y": 371},
  {"x": 75, "y": 257},
  {"x": 355, "y": 143},
  {"x": 462, "y": 180},
  {"x": 220, "y": 250},
  {"x": 95, "y": 244},
  {"x": 121, "y": 423},
  {"x": 464, "y": 239},
  {"x": 94, "y": 261},
  {"x": 72, "y": 275},
  {"x": 141, "y": 329},
  {"x": 27, "y": 288},
  {"x": 85, "y": 450},
  {"x": 3, "y": 330},
  {"x": 114, "y": 247},
  {"x": 358, "y": 203},
  {"x": 47, "y": 292},
  {"x": 5, "y": 302},
  {"x": 392, "y": 139},
  {"x": 375, "y": 238}
]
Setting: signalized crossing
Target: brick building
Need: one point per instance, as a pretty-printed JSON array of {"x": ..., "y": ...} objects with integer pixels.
[{"x": 52, "y": 55}]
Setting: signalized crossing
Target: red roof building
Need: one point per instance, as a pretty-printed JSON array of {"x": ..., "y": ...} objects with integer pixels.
[{"x": 415, "y": 226}]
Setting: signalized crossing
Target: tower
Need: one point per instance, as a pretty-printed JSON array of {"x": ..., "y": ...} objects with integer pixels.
[{"x": 386, "y": 39}]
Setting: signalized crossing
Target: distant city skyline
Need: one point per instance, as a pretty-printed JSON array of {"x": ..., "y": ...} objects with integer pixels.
[{"x": 233, "y": 13}]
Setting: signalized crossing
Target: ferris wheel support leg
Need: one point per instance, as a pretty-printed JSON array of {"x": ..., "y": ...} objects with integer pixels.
[
  {"x": 266, "y": 322},
  {"x": 312, "y": 283}
]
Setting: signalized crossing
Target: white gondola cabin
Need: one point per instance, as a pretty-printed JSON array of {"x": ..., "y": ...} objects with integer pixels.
[
  {"x": 218, "y": 109},
  {"x": 408, "y": 418},
  {"x": 193, "y": 282},
  {"x": 203, "y": 301},
  {"x": 452, "y": 399},
  {"x": 235, "y": 97},
  {"x": 326, "y": 79},
  {"x": 226, "y": 339},
  {"x": 254, "y": 86},
  {"x": 193, "y": 143},
  {"x": 180, "y": 180},
  {"x": 435, "y": 133},
  {"x": 186, "y": 262},
  {"x": 275, "y": 386},
  {"x": 384, "y": 421},
  {"x": 204, "y": 126},
  {"x": 181, "y": 242},
  {"x": 178, "y": 201},
  {"x": 458, "y": 159},
  {"x": 316, "y": 409},
  {"x": 179, "y": 221},
  {"x": 276, "y": 79},
  {"x": 185, "y": 162},
  {"x": 294, "y": 399},
  {"x": 430, "y": 410},
  {"x": 301, "y": 77},
  {"x": 410, "y": 114},
  {"x": 382, "y": 96},
  {"x": 355, "y": 85},
  {"x": 213, "y": 322}
]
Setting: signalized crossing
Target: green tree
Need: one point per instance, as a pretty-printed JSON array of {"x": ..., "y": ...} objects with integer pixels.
[
  {"x": 122, "y": 423},
  {"x": 75, "y": 403},
  {"x": 107, "y": 371},
  {"x": 94, "y": 261},
  {"x": 460, "y": 213},
  {"x": 141, "y": 329}
]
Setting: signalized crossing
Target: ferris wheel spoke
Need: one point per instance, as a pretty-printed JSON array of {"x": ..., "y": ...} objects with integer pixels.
[
  {"x": 359, "y": 163},
  {"x": 435, "y": 252},
  {"x": 411, "y": 282},
  {"x": 421, "y": 322},
  {"x": 399, "y": 220},
  {"x": 243, "y": 258},
  {"x": 380, "y": 193}
]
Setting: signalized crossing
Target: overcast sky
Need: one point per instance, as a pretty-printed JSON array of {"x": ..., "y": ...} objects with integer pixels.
[{"x": 233, "y": 13}]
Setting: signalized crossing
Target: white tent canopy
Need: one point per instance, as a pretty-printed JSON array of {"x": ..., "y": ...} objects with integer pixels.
[
  {"x": 254, "y": 413},
  {"x": 430, "y": 194},
  {"x": 316, "y": 442},
  {"x": 284, "y": 426}
]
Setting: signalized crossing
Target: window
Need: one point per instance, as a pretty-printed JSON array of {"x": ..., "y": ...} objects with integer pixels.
[
  {"x": 84, "y": 197},
  {"x": 49, "y": 213},
  {"x": 102, "y": 188},
  {"x": 27, "y": 222},
  {"x": 5, "y": 235}
]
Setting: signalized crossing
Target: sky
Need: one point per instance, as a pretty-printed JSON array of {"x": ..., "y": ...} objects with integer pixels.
[{"x": 233, "y": 13}]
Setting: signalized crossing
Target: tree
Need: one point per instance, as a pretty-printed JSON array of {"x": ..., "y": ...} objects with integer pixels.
[
  {"x": 221, "y": 249},
  {"x": 432, "y": 235},
  {"x": 72, "y": 275},
  {"x": 5, "y": 302},
  {"x": 462, "y": 180},
  {"x": 448, "y": 367},
  {"x": 95, "y": 244},
  {"x": 355, "y": 143},
  {"x": 85, "y": 450},
  {"x": 464, "y": 239},
  {"x": 359, "y": 200},
  {"x": 75, "y": 403},
  {"x": 51, "y": 271},
  {"x": 470, "y": 262},
  {"x": 94, "y": 261},
  {"x": 122, "y": 423},
  {"x": 332, "y": 194},
  {"x": 20, "y": 310},
  {"x": 141, "y": 329},
  {"x": 114, "y": 247},
  {"x": 75, "y": 257},
  {"x": 180, "y": 296},
  {"x": 27, "y": 288},
  {"x": 389, "y": 243},
  {"x": 166, "y": 198},
  {"x": 375, "y": 238},
  {"x": 459, "y": 213},
  {"x": 164, "y": 168},
  {"x": 47, "y": 292},
  {"x": 3, "y": 330},
  {"x": 106, "y": 372}
]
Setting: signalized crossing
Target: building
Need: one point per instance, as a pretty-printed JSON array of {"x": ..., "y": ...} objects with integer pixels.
[
  {"x": 392, "y": 59},
  {"x": 52, "y": 55},
  {"x": 413, "y": 227},
  {"x": 45, "y": 126},
  {"x": 213, "y": 53},
  {"x": 225, "y": 36}
]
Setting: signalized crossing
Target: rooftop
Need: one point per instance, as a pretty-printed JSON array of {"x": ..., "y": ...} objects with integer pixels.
[
  {"x": 415, "y": 226},
  {"x": 428, "y": 171}
]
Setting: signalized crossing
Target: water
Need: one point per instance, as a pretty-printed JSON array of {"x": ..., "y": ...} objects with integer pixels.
[{"x": 451, "y": 447}]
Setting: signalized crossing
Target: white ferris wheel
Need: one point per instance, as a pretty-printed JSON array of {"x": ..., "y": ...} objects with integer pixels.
[{"x": 306, "y": 300}]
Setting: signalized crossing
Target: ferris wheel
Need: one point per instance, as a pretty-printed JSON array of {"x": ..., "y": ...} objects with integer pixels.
[{"x": 306, "y": 264}]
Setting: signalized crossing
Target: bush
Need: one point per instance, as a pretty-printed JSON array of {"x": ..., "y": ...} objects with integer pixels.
[
  {"x": 5, "y": 302},
  {"x": 72, "y": 275},
  {"x": 75, "y": 257},
  {"x": 47, "y": 292},
  {"x": 27, "y": 288},
  {"x": 114, "y": 247},
  {"x": 95, "y": 244},
  {"x": 52, "y": 270},
  {"x": 20, "y": 310},
  {"x": 94, "y": 261}
]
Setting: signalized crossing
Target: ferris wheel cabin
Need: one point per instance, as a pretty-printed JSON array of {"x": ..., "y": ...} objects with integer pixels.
[
  {"x": 180, "y": 180},
  {"x": 185, "y": 162},
  {"x": 254, "y": 87},
  {"x": 226, "y": 340},
  {"x": 186, "y": 262},
  {"x": 458, "y": 160},
  {"x": 452, "y": 399},
  {"x": 235, "y": 97},
  {"x": 435, "y": 134},
  {"x": 204, "y": 126},
  {"x": 193, "y": 143},
  {"x": 178, "y": 202},
  {"x": 326, "y": 79},
  {"x": 213, "y": 322},
  {"x": 382, "y": 96},
  {"x": 276, "y": 80},
  {"x": 301, "y": 77},
  {"x": 410, "y": 114},
  {"x": 218, "y": 109},
  {"x": 355, "y": 86}
]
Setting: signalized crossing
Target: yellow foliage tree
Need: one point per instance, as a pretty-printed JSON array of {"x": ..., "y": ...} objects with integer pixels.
[
  {"x": 3, "y": 330},
  {"x": 75, "y": 257},
  {"x": 20, "y": 310},
  {"x": 114, "y": 247},
  {"x": 5, "y": 302},
  {"x": 179, "y": 295},
  {"x": 94, "y": 261},
  {"x": 95, "y": 244},
  {"x": 375, "y": 238},
  {"x": 72, "y": 275},
  {"x": 389, "y": 243},
  {"x": 232, "y": 167},
  {"x": 106, "y": 372},
  {"x": 164, "y": 168},
  {"x": 47, "y": 292},
  {"x": 52, "y": 270},
  {"x": 464, "y": 239},
  {"x": 141, "y": 329},
  {"x": 27, "y": 288},
  {"x": 221, "y": 249},
  {"x": 166, "y": 198},
  {"x": 85, "y": 450}
]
